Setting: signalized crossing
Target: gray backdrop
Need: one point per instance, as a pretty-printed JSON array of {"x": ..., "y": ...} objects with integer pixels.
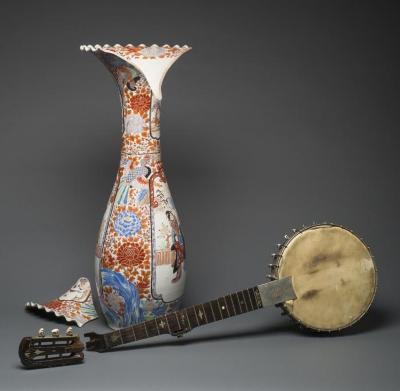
[{"x": 283, "y": 113}]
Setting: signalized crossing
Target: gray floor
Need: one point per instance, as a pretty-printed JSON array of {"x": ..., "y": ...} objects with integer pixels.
[
  {"x": 283, "y": 113},
  {"x": 258, "y": 351}
]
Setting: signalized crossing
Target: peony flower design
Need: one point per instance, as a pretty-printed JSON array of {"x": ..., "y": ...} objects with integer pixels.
[
  {"x": 140, "y": 103},
  {"x": 127, "y": 223},
  {"x": 131, "y": 254}
]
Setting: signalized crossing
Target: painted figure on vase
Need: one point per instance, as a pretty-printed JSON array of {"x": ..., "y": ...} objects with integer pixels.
[
  {"x": 140, "y": 250},
  {"x": 178, "y": 246}
]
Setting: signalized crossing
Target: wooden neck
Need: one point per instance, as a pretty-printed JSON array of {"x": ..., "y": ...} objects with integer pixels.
[{"x": 180, "y": 322}]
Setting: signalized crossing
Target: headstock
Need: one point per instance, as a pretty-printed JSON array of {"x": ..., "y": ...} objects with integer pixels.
[
  {"x": 97, "y": 342},
  {"x": 52, "y": 350}
]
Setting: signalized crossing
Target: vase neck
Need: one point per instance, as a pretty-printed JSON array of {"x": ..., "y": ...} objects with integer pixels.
[
  {"x": 140, "y": 107},
  {"x": 152, "y": 61}
]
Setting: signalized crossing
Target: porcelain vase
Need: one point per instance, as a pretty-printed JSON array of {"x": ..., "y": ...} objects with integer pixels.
[{"x": 139, "y": 263}]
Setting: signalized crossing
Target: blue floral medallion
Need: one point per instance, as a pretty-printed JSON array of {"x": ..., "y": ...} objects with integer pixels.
[{"x": 127, "y": 223}]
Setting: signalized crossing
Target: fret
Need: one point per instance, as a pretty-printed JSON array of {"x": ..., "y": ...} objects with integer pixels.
[
  {"x": 152, "y": 328},
  {"x": 133, "y": 333},
  {"x": 195, "y": 314},
  {"x": 126, "y": 335},
  {"x": 235, "y": 300},
  {"x": 192, "y": 316},
  {"x": 216, "y": 310},
  {"x": 140, "y": 331},
  {"x": 208, "y": 312},
  {"x": 229, "y": 303},
  {"x": 189, "y": 321},
  {"x": 212, "y": 311},
  {"x": 177, "y": 319},
  {"x": 224, "y": 308},
  {"x": 172, "y": 321},
  {"x": 181, "y": 319},
  {"x": 200, "y": 314},
  {"x": 219, "y": 307},
  {"x": 118, "y": 337},
  {"x": 247, "y": 300},
  {"x": 123, "y": 336},
  {"x": 184, "y": 319},
  {"x": 253, "y": 298},
  {"x": 242, "y": 302}
]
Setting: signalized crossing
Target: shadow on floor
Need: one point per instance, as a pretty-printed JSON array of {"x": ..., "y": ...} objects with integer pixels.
[{"x": 375, "y": 319}]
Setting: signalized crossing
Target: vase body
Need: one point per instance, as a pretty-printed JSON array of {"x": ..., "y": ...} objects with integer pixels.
[{"x": 140, "y": 251}]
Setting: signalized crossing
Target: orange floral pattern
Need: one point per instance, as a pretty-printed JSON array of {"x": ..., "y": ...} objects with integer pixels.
[
  {"x": 140, "y": 104},
  {"x": 131, "y": 254},
  {"x": 75, "y": 305}
]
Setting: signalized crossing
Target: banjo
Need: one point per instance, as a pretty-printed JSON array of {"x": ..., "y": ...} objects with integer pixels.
[{"x": 323, "y": 276}]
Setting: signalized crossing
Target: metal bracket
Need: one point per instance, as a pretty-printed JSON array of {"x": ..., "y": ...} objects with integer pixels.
[{"x": 276, "y": 292}]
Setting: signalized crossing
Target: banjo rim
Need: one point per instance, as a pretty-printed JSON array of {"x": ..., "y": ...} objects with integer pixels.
[{"x": 277, "y": 263}]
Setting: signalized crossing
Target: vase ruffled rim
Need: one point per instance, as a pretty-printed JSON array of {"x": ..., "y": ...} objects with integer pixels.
[
  {"x": 139, "y": 49},
  {"x": 152, "y": 60}
]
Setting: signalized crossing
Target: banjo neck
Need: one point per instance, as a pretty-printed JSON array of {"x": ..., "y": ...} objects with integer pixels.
[{"x": 179, "y": 322}]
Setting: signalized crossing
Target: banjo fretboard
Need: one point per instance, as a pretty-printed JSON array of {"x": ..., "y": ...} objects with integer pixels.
[{"x": 180, "y": 322}]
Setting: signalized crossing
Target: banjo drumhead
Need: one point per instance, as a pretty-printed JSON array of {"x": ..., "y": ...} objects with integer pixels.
[{"x": 333, "y": 274}]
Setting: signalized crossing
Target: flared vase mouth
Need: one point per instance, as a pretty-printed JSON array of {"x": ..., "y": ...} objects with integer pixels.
[
  {"x": 142, "y": 51},
  {"x": 153, "y": 61}
]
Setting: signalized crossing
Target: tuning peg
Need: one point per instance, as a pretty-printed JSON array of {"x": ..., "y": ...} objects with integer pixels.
[
  {"x": 41, "y": 333},
  {"x": 273, "y": 255},
  {"x": 69, "y": 332},
  {"x": 55, "y": 333},
  {"x": 271, "y": 277},
  {"x": 286, "y": 237},
  {"x": 278, "y": 245},
  {"x": 294, "y": 230}
]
